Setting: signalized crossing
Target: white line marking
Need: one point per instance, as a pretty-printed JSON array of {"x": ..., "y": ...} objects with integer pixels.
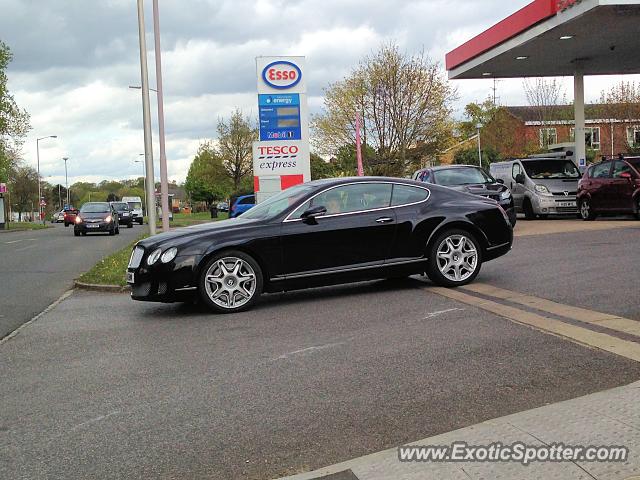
[
  {"x": 63, "y": 297},
  {"x": 440, "y": 312},
  {"x": 93, "y": 420},
  {"x": 309, "y": 349},
  {"x": 12, "y": 241}
]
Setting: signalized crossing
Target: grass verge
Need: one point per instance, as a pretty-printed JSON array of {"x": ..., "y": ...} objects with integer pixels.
[
  {"x": 111, "y": 270},
  {"x": 20, "y": 226}
]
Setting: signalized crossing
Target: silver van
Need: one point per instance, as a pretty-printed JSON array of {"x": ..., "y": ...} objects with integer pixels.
[{"x": 540, "y": 186}]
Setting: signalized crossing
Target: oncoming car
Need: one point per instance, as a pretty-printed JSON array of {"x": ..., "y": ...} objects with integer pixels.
[
  {"x": 323, "y": 232},
  {"x": 96, "y": 217}
]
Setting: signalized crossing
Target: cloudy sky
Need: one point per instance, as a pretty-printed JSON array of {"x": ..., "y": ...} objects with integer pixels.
[{"x": 74, "y": 60}]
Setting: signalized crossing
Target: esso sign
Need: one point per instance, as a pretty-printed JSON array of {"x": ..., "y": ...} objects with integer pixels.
[
  {"x": 281, "y": 75},
  {"x": 279, "y": 150}
]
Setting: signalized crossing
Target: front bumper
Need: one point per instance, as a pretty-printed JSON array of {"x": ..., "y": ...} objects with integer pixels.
[
  {"x": 556, "y": 205},
  {"x": 93, "y": 227},
  {"x": 175, "y": 281},
  {"x": 125, "y": 220}
]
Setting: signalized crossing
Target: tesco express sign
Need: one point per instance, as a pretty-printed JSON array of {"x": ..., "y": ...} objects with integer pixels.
[{"x": 281, "y": 74}]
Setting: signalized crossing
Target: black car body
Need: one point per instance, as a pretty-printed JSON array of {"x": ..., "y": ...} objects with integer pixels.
[
  {"x": 319, "y": 233},
  {"x": 125, "y": 215},
  {"x": 96, "y": 217},
  {"x": 470, "y": 179}
]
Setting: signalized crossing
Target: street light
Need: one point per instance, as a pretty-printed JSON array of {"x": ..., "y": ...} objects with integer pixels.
[
  {"x": 39, "y": 185},
  {"x": 138, "y": 87},
  {"x": 66, "y": 178},
  {"x": 479, "y": 126}
]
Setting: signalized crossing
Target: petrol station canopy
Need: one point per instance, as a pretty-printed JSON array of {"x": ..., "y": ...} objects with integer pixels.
[{"x": 555, "y": 38}]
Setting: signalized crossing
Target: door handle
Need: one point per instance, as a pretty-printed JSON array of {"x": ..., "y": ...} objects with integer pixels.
[{"x": 384, "y": 220}]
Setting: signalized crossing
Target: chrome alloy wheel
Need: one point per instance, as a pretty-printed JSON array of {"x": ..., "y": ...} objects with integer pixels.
[
  {"x": 230, "y": 282},
  {"x": 585, "y": 209},
  {"x": 457, "y": 258}
]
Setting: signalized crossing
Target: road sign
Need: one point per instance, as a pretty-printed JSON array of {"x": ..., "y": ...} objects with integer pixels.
[
  {"x": 281, "y": 74},
  {"x": 3, "y": 188},
  {"x": 43, "y": 203},
  {"x": 278, "y": 158},
  {"x": 279, "y": 116}
]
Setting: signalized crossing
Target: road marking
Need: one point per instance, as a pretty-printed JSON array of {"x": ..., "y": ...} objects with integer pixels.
[
  {"x": 612, "y": 322},
  {"x": 12, "y": 241},
  {"x": 580, "y": 335},
  {"x": 309, "y": 349},
  {"x": 441, "y": 312}
]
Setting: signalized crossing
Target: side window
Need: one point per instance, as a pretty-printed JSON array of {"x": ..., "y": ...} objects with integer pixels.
[
  {"x": 601, "y": 170},
  {"x": 350, "y": 198},
  {"x": 247, "y": 201},
  {"x": 590, "y": 172},
  {"x": 619, "y": 168},
  {"x": 515, "y": 170},
  {"x": 405, "y": 194}
]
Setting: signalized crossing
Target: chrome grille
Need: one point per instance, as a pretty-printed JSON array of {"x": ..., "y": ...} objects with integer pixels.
[{"x": 136, "y": 257}]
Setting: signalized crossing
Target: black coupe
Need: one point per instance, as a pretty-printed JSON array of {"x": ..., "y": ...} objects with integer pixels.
[{"x": 320, "y": 233}]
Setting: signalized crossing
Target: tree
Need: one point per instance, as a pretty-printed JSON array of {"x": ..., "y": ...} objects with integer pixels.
[
  {"x": 621, "y": 103},
  {"x": 547, "y": 98},
  {"x": 403, "y": 101},
  {"x": 320, "y": 168},
  {"x": 235, "y": 144},
  {"x": 14, "y": 122},
  {"x": 112, "y": 197},
  {"x": 24, "y": 189},
  {"x": 208, "y": 179},
  {"x": 469, "y": 156}
]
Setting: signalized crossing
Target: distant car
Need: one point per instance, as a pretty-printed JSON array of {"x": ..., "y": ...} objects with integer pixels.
[
  {"x": 470, "y": 179},
  {"x": 324, "y": 232},
  {"x": 241, "y": 205},
  {"x": 610, "y": 187},
  {"x": 58, "y": 217},
  {"x": 96, "y": 217},
  {"x": 223, "y": 207},
  {"x": 135, "y": 204},
  {"x": 125, "y": 215},
  {"x": 69, "y": 216}
]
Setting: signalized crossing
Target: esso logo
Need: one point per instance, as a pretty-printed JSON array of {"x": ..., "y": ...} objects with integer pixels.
[
  {"x": 279, "y": 150},
  {"x": 281, "y": 75}
]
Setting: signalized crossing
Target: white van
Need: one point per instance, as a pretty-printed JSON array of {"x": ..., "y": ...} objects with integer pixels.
[
  {"x": 540, "y": 186},
  {"x": 135, "y": 204}
]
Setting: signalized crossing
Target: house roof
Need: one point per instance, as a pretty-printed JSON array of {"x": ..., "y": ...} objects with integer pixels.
[{"x": 563, "y": 113}]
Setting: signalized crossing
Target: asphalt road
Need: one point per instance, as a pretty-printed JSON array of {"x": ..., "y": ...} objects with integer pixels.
[
  {"x": 38, "y": 266},
  {"x": 103, "y": 387}
]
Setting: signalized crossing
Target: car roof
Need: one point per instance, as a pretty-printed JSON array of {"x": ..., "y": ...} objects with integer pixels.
[
  {"x": 344, "y": 180},
  {"x": 448, "y": 167}
]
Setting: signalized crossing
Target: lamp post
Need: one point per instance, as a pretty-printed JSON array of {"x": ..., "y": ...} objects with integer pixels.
[
  {"x": 478, "y": 127},
  {"x": 39, "y": 183},
  {"x": 66, "y": 179}
]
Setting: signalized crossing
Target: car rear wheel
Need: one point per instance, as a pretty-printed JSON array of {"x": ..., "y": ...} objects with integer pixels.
[
  {"x": 586, "y": 210},
  {"x": 455, "y": 259},
  {"x": 230, "y": 282},
  {"x": 637, "y": 214}
]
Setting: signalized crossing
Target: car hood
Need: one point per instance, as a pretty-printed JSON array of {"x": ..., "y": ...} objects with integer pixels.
[
  {"x": 181, "y": 236},
  {"x": 481, "y": 188},
  {"x": 558, "y": 185}
]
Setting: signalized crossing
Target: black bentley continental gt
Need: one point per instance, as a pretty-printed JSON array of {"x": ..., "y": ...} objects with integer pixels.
[{"x": 323, "y": 232}]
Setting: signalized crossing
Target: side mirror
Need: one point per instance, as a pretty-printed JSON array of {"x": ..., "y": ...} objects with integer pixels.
[
  {"x": 310, "y": 215},
  {"x": 500, "y": 181},
  {"x": 626, "y": 175},
  {"x": 520, "y": 178}
]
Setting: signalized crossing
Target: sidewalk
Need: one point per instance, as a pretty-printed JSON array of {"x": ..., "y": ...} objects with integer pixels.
[{"x": 606, "y": 418}]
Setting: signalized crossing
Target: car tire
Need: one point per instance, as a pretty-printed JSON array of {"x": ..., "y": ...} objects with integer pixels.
[
  {"x": 66, "y": 224},
  {"x": 112, "y": 232},
  {"x": 118, "y": 230},
  {"x": 76, "y": 233},
  {"x": 528, "y": 210},
  {"x": 543, "y": 217},
  {"x": 637, "y": 213},
  {"x": 586, "y": 210},
  {"x": 130, "y": 225},
  {"x": 451, "y": 249},
  {"x": 231, "y": 281},
  {"x": 84, "y": 234}
]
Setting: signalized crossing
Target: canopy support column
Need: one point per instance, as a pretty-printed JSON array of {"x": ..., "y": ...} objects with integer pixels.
[{"x": 578, "y": 105}]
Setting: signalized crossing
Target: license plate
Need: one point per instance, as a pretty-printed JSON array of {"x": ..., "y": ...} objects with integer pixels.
[
  {"x": 92, "y": 225},
  {"x": 567, "y": 204},
  {"x": 130, "y": 277}
]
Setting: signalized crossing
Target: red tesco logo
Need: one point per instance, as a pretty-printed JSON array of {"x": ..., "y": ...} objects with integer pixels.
[{"x": 279, "y": 150}]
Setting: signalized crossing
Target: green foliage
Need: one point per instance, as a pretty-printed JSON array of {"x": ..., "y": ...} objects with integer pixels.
[
  {"x": 208, "y": 179},
  {"x": 235, "y": 145},
  {"x": 469, "y": 156},
  {"x": 23, "y": 186},
  {"x": 320, "y": 168}
]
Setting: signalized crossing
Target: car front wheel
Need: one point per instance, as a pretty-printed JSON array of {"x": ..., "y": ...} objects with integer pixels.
[
  {"x": 455, "y": 259},
  {"x": 586, "y": 210},
  {"x": 230, "y": 282}
]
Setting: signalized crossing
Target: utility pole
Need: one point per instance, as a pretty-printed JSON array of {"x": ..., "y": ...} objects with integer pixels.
[
  {"x": 66, "y": 179},
  {"x": 479, "y": 126},
  {"x": 164, "y": 182},
  {"x": 146, "y": 120}
]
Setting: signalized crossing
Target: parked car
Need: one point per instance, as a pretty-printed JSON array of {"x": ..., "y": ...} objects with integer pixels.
[
  {"x": 610, "y": 187},
  {"x": 125, "y": 215},
  {"x": 470, "y": 179},
  {"x": 69, "y": 216},
  {"x": 323, "y": 232},
  {"x": 241, "y": 205},
  {"x": 96, "y": 217},
  {"x": 57, "y": 217},
  {"x": 540, "y": 186},
  {"x": 223, "y": 207},
  {"x": 135, "y": 204}
]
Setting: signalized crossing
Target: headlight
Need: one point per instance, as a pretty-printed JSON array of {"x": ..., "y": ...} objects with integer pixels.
[
  {"x": 108, "y": 219},
  {"x": 505, "y": 195},
  {"x": 154, "y": 256},
  {"x": 543, "y": 190},
  {"x": 169, "y": 255},
  {"x": 78, "y": 219}
]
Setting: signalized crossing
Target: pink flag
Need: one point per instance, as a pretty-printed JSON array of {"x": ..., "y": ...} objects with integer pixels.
[{"x": 358, "y": 148}]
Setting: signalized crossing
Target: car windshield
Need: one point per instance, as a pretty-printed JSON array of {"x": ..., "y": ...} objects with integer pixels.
[
  {"x": 538, "y": 169},
  {"x": 277, "y": 204},
  {"x": 462, "y": 176},
  {"x": 121, "y": 207},
  {"x": 135, "y": 205},
  {"x": 95, "y": 208}
]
